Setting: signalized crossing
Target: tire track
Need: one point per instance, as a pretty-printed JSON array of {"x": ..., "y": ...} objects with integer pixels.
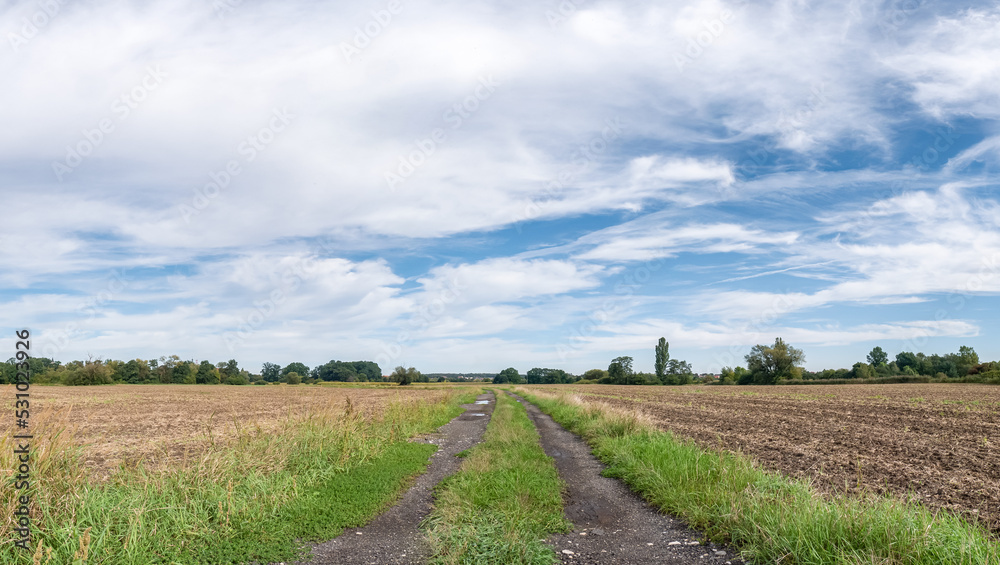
[
  {"x": 611, "y": 523},
  {"x": 394, "y": 537}
]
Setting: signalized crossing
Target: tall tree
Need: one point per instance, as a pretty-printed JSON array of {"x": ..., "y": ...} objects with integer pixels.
[
  {"x": 768, "y": 364},
  {"x": 662, "y": 357},
  {"x": 620, "y": 370},
  {"x": 878, "y": 357},
  {"x": 271, "y": 372}
]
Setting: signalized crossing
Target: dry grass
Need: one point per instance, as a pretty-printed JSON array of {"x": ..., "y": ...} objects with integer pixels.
[
  {"x": 166, "y": 424},
  {"x": 152, "y": 468}
]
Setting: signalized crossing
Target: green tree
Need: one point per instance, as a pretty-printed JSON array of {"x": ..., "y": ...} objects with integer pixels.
[
  {"x": 228, "y": 371},
  {"x": 207, "y": 374},
  {"x": 293, "y": 378},
  {"x": 404, "y": 376},
  {"x": 966, "y": 359},
  {"x": 271, "y": 372},
  {"x": 727, "y": 376},
  {"x": 595, "y": 374},
  {"x": 297, "y": 367},
  {"x": 767, "y": 364},
  {"x": 677, "y": 373},
  {"x": 862, "y": 371},
  {"x": 662, "y": 357},
  {"x": 90, "y": 372},
  {"x": 184, "y": 372},
  {"x": 620, "y": 370},
  {"x": 906, "y": 359},
  {"x": 508, "y": 375},
  {"x": 878, "y": 357}
]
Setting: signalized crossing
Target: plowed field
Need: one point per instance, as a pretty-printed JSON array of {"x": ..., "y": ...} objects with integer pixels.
[
  {"x": 163, "y": 423},
  {"x": 938, "y": 443}
]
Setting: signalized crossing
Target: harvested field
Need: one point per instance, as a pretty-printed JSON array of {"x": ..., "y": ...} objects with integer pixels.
[
  {"x": 938, "y": 442},
  {"x": 160, "y": 424}
]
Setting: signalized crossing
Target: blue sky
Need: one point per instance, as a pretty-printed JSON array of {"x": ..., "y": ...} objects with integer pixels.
[{"x": 467, "y": 186}]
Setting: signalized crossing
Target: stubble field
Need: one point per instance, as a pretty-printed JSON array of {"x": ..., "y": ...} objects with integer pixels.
[
  {"x": 937, "y": 443},
  {"x": 166, "y": 424}
]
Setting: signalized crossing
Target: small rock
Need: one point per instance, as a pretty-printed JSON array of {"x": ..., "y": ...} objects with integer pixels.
[
  {"x": 649, "y": 544},
  {"x": 720, "y": 553},
  {"x": 597, "y": 532},
  {"x": 359, "y": 533},
  {"x": 567, "y": 552},
  {"x": 674, "y": 543},
  {"x": 693, "y": 542}
]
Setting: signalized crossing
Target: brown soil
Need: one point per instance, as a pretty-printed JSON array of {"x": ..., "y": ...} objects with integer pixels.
[
  {"x": 162, "y": 424},
  {"x": 938, "y": 443}
]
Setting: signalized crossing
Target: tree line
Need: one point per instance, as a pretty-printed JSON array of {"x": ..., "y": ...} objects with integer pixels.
[
  {"x": 172, "y": 370},
  {"x": 781, "y": 362},
  {"x": 773, "y": 364},
  {"x": 668, "y": 372}
]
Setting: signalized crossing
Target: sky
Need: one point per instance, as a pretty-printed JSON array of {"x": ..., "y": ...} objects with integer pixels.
[{"x": 469, "y": 186}]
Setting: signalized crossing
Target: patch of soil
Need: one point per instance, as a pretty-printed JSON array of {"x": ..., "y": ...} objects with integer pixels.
[
  {"x": 935, "y": 443},
  {"x": 611, "y": 523}
]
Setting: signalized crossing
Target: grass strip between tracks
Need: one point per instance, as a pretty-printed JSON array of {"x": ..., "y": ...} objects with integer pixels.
[
  {"x": 254, "y": 499},
  {"x": 768, "y": 517},
  {"x": 505, "y": 499}
]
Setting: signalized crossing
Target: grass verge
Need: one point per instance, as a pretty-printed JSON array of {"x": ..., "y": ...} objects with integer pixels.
[
  {"x": 253, "y": 499},
  {"x": 768, "y": 517},
  {"x": 504, "y": 500}
]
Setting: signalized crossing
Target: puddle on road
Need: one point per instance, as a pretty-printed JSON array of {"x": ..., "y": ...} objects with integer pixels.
[
  {"x": 482, "y": 402},
  {"x": 477, "y": 414}
]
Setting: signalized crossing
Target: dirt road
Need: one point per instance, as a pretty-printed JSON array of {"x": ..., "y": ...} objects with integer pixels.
[
  {"x": 612, "y": 524},
  {"x": 394, "y": 538}
]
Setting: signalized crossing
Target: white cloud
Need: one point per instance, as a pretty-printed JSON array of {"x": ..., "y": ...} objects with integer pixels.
[{"x": 954, "y": 65}]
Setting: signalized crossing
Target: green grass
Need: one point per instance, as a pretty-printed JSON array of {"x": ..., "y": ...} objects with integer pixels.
[
  {"x": 503, "y": 501},
  {"x": 769, "y": 517},
  {"x": 256, "y": 499}
]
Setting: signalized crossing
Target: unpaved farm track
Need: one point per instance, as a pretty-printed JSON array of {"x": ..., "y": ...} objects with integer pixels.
[
  {"x": 611, "y": 523},
  {"x": 939, "y": 441},
  {"x": 394, "y": 538}
]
